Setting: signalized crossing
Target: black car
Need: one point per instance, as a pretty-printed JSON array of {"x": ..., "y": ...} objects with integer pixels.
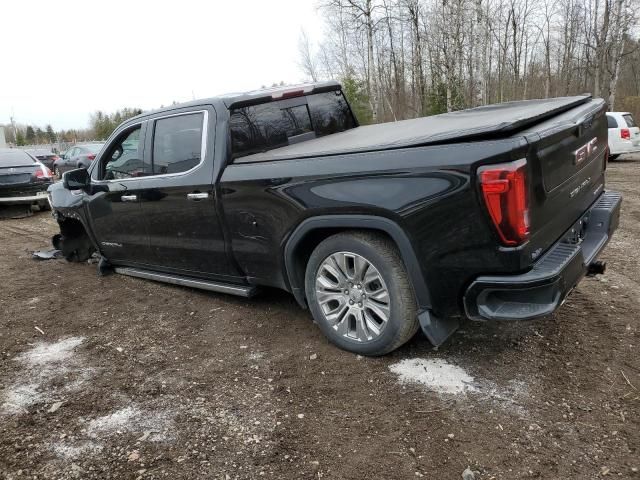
[
  {"x": 46, "y": 157},
  {"x": 78, "y": 156},
  {"x": 492, "y": 213},
  {"x": 23, "y": 179}
]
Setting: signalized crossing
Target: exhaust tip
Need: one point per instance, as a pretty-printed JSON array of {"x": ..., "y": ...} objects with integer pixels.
[{"x": 596, "y": 268}]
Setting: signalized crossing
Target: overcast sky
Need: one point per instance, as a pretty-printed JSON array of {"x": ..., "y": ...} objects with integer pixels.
[{"x": 62, "y": 60}]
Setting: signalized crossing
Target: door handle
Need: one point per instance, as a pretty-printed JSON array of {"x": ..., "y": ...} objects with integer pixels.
[
  {"x": 129, "y": 198},
  {"x": 197, "y": 196}
]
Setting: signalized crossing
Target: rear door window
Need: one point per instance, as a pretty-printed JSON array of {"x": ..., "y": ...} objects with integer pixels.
[
  {"x": 177, "y": 143},
  {"x": 630, "y": 121},
  {"x": 611, "y": 122}
]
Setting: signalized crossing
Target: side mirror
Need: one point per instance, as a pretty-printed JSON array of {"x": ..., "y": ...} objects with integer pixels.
[{"x": 77, "y": 179}]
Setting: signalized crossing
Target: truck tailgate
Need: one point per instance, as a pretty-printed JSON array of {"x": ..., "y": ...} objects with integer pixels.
[{"x": 568, "y": 158}]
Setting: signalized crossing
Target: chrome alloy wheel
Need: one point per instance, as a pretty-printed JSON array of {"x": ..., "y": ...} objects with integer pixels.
[{"x": 353, "y": 296}]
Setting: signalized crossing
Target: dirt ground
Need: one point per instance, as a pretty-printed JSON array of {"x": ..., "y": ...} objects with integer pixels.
[{"x": 117, "y": 377}]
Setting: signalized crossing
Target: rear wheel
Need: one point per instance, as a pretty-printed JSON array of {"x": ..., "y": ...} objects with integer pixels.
[
  {"x": 359, "y": 293},
  {"x": 613, "y": 157}
]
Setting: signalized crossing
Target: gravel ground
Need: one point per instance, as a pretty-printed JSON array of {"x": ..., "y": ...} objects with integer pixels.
[{"x": 116, "y": 377}]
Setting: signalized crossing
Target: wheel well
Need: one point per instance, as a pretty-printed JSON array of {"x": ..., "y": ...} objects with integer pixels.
[
  {"x": 73, "y": 240},
  {"x": 304, "y": 248},
  {"x": 71, "y": 228}
]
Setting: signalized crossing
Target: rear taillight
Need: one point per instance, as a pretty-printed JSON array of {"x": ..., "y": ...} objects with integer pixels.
[
  {"x": 43, "y": 173},
  {"x": 91, "y": 156},
  {"x": 505, "y": 192},
  {"x": 625, "y": 134}
]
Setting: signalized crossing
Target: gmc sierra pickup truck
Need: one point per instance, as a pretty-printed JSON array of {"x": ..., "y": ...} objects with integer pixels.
[{"x": 493, "y": 213}]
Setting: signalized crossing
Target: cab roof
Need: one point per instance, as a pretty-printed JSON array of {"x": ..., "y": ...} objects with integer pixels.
[{"x": 235, "y": 100}]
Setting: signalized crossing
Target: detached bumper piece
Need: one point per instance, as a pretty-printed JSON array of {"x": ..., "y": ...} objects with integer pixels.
[{"x": 542, "y": 289}]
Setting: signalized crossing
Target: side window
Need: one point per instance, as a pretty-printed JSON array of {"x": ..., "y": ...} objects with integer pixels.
[
  {"x": 71, "y": 153},
  {"x": 177, "y": 143},
  {"x": 257, "y": 128},
  {"x": 611, "y": 122},
  {"x": 630, "y": 121},
  {"x": 124, "y": 158},
  {"x": 262, "y": 127}
]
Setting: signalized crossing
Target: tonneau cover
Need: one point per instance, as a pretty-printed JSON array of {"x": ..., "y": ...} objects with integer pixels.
[{"x": 492, "y": 121}]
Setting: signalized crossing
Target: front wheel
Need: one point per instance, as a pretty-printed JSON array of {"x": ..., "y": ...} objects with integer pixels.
[{"x": 359, "y": 293}]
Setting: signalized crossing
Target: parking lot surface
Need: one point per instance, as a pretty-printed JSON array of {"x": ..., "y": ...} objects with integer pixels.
[{"x": 117, "y": 377}]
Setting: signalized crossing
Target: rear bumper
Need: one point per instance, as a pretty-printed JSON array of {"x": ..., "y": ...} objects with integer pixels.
[
  {"x": 626, "y": 146},
  {"x": 543, "y": 289},
  {"x": 39, "y": 197}
]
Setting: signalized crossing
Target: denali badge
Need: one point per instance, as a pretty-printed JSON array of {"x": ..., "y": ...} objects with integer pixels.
[
  {"x": 577, "y": 190},
  {"x": 585, "y": 151}
]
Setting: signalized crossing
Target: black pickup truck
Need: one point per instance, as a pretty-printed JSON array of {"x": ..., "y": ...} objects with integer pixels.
[{"x": 493, "y": 213}]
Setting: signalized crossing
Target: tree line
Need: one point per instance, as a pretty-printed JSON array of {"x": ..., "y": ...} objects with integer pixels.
[
  {"x": 101, "y": 125},
  {"x": 406, "y": 58}
]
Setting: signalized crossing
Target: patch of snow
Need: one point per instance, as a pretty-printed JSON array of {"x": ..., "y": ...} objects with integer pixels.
[
  {"x": 255, "y": 356},
  {"x": 19, "y": 397},
  {"x": 42, "y": 365},
  {"x": 70, "y": 452},
  {"x": 131, "y": 419},
  {"x": 435, "y": 374},
  {"x": 45, "y": 353}
]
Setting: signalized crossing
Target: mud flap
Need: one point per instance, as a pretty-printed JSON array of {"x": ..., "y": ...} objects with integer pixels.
[{"x": 437, "y": 330}]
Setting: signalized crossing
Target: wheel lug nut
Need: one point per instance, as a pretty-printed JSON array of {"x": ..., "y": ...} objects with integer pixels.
[
  {"x": 359, "y": 304},
  {"x": 346, "y": 292},
  {"x": 350, "y": 302},
  {"x": 359, "y": 287}
]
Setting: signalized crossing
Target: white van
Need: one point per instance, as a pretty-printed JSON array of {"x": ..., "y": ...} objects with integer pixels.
[{"x": 624, "y": 134}]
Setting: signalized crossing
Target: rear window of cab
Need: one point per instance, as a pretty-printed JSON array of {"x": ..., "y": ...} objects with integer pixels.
[{"x": 263, "y": 127}]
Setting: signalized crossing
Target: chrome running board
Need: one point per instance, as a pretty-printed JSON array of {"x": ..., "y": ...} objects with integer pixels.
[{"x": 239, "y": 290}]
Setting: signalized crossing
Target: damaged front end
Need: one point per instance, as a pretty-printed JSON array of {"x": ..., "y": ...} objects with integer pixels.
[{"x": 73, "y": 240}]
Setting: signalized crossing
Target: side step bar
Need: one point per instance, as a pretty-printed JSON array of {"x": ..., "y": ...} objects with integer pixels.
[{"x": 239, "y": 290}]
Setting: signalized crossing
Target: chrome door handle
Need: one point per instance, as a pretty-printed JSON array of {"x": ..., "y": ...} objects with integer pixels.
[
  {"x": 197, "y": 196},
  {"x": 129, "y": 198}
]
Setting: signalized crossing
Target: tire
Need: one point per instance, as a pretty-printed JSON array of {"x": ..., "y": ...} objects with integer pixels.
[
  {"x": 613, "y": 157},
  {"x": 372, "y": 324}
]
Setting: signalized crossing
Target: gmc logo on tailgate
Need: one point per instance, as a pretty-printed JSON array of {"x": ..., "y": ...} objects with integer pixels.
[{"x": 585, "y": 151}]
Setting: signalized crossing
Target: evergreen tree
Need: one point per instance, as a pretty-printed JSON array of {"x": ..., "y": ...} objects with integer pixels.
[
  {"x": 30, "y": 136},
  {"x": 20, "y": 138},
  {"x": 51, "y": 136}
]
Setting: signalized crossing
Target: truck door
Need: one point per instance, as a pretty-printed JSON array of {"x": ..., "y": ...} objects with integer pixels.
[
  {"x": 115, "y": 214},
  {"x": 178, "y": 199}
]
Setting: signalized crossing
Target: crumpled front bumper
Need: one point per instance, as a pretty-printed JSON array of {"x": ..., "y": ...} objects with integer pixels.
[{"x": 542, "y": 290}]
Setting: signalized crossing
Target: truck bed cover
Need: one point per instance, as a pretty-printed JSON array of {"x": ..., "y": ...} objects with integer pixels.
[{"x": 491, "y": 121}]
